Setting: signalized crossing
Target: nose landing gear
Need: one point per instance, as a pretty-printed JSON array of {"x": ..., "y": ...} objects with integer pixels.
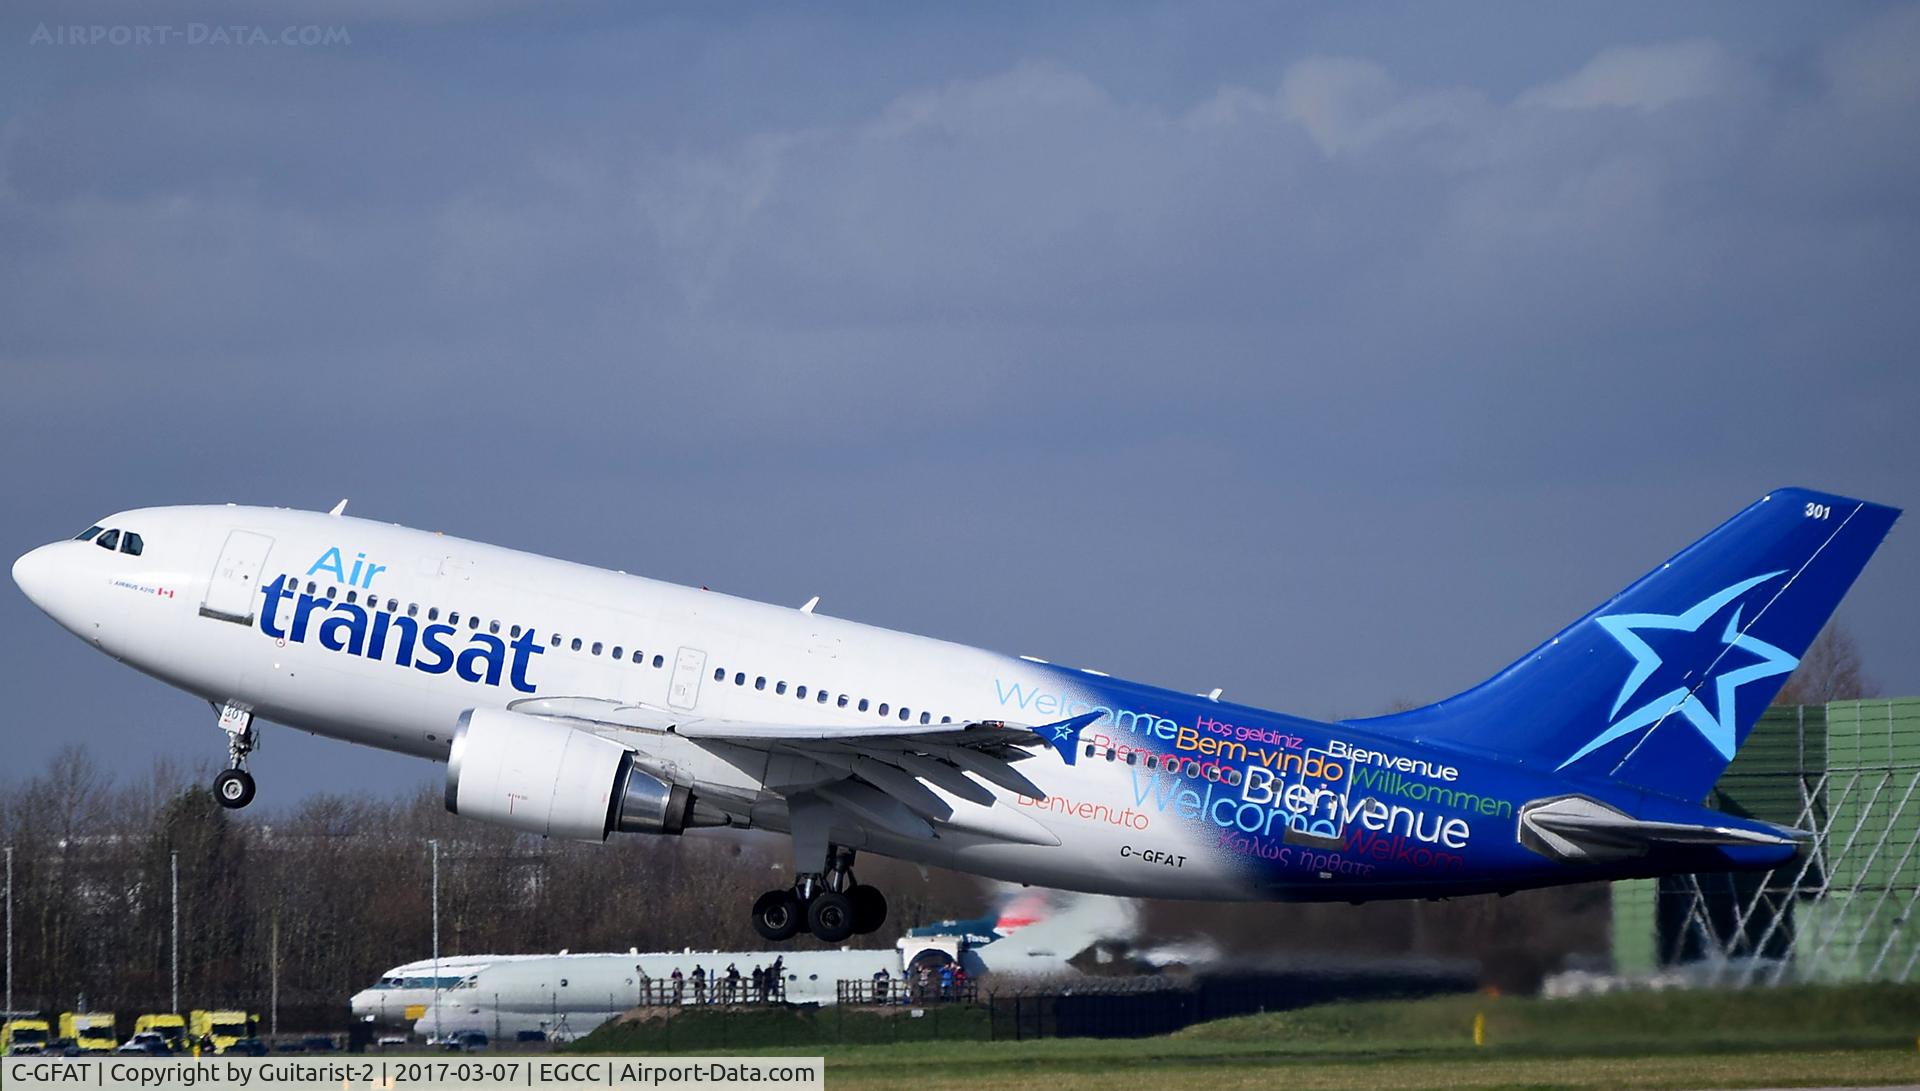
[
  {"x": 830, "y": 903},
  {"x": 234, "y": 786}
]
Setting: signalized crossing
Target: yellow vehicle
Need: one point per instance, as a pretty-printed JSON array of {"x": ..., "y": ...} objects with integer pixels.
[
  {"x": 23, "y": 1036},
  {"x": 90, "y": 1030},
  {"x": 223, "y": 1028},
  {"x": 168, "y": 1025}
]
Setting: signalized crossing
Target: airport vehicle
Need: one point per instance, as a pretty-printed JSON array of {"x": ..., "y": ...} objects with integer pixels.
[
  {"x": 150, "y": 1042},
  {"x": 90, "y": 1030},
  {"x": 222, "y": 1028},
  {"x": 575, "y": 702},
  {"x": 168, "y": 1025},
  {"x": 18, "y": 1036}
]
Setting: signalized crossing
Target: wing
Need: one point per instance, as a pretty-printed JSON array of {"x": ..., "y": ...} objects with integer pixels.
[{"x": 913, "y": 779}]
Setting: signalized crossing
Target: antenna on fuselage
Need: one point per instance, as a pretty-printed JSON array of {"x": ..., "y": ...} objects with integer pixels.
[
  {"x": 339, "y": 508},
  {"x": 1215, "y": 695},
  {"x": 811, "y": 603}
]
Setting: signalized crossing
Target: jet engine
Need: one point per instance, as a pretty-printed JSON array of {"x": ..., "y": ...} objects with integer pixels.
[{"x": 547, "y": 778}]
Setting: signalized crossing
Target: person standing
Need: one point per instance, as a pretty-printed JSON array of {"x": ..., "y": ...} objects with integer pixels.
[{"x": 679, "y": 987}]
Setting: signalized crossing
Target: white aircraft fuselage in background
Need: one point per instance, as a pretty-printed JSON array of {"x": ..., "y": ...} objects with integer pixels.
[{"x": 573, "y": 701}]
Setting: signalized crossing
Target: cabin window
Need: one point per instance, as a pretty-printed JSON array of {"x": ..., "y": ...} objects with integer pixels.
[
  {"x": 740, "y": 678},
  {"x": 131, "y": 544},
  {"x": 453, "y": 617},
  {"x": 311, "y": 587},
  {"x": 883, "y": 708},
  {"x": 1089, "y": 750},
  {"x": 800, "y": 693},
  {"x": 353, "y": 596},
  {"x": 598, "y": 647},
  {"x": 331, "y": 592},
  {"x": 619, "y": 652},
  {"x": 760, "y": 682},
  {"x": 821, "y": 699},
  {"x": 1149, "y": 761},
  {"x": 719, "y": 674},
  {"x": 516, "y": 632},
  {"x": 863, "y": 704},
  {"x": 108, "y": 541},
  {"x": 556, "y": 640},
  {"x": 393, "y": 607},
  {"x": 474, "y": 623},
  {"x": 841, "y": 700},
  {"x": 659, "y": 661},
  {"x": 946, "y": 719},
  {"x": 577, "y": 642},
  {"x": 639, "y": 659},
  {"x": 780, "y": 687},
  {"x": 433, "y": 613},
  {"x": 1133, "y": 757},
  {"x": 494, "y": 628},
  {"x": 926, "y": 717},
  {"x": 1109, "y": 753},
  {"x": 413, "y": 609},
  {"x": 905, "y": 713}
]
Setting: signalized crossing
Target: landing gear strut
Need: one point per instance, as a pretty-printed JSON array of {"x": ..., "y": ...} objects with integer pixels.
[
  {"x": 830, "y": 903},
  {"x": 234, "y": 786}
]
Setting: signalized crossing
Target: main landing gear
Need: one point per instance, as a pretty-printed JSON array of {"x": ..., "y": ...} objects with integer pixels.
[
  {"x": 831, "y": 904},
  {"x": 234, "y": 786}
]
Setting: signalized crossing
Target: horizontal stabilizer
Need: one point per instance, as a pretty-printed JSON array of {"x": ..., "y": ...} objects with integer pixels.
[{"x": 1579, "y": 829}]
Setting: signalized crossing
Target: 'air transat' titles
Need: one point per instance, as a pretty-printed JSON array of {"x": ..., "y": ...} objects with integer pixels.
[{"x": 371, "y": 633}]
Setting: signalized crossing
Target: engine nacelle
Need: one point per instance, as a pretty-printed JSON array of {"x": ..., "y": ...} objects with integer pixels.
[{"x": 557, "y": 781}]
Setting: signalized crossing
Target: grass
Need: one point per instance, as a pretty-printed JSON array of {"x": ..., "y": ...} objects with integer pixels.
[{"x": 1810, "y": 1036}]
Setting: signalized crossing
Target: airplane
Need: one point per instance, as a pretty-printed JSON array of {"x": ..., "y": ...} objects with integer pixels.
[
  {"x": 566, "y": 995},
  {"x": 570, "y": 701}
]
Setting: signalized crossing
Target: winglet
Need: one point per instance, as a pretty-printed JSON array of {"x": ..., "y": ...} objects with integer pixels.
[{"x": 1065, "y": 735}]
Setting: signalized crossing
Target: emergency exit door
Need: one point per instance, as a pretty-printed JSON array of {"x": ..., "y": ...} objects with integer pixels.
[
  {"x": 233, "y": 591},
  {"x": 684, "y": 690}
]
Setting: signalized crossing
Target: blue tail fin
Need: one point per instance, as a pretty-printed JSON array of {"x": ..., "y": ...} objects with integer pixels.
[{"x": 1659, "y": 686}]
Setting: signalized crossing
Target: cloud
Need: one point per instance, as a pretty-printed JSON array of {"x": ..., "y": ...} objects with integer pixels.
[{"x": 1651, "y": 77}]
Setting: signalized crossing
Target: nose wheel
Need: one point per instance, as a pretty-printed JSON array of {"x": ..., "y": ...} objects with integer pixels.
[{"x": 234, "y": 786}]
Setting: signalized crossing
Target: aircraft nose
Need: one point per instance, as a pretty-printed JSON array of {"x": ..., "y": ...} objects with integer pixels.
[{"x": 34, "y": 573}]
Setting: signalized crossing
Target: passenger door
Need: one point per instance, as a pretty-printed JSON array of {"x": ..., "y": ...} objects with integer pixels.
[
  {"x": 233, "y": 589},
  {"x": 684, "y": 691}
]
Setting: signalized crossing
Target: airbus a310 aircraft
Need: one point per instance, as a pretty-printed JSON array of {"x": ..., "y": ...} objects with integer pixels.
[{"x": 574, "y": 702}]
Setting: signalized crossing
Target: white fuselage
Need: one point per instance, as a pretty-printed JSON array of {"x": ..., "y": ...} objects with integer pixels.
[{"x": 190, "y": 610}]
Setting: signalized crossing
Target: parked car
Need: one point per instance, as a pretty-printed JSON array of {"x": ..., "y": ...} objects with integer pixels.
[
  {"x": 147, "y": 1041},
  {"x": 391, "y": 1040},
  {"x": 464, "y": 1041},
  {"x": 61, "y": 1047}
]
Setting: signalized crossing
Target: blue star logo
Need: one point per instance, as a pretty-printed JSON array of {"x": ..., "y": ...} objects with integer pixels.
[
  {"x": 1064, "y": 736},
  {"x": 1716, "y": 726}
]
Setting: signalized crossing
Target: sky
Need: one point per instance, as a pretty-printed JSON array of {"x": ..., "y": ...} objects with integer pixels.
[{"x": 1332, "y": 355}]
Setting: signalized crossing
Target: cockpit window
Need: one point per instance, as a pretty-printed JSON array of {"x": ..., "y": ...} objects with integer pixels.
[
  {"x": 87, "y": 534},
  {"x": 131, "y": 544},
  {"x": 108, "y": 541}
]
